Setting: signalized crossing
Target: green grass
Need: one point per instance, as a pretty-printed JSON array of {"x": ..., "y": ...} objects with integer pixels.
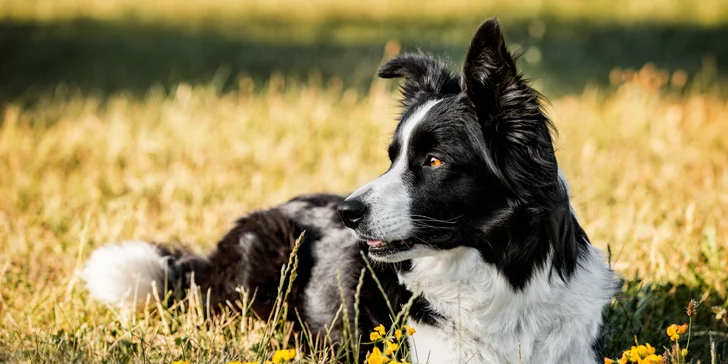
[{"x": 163, "y": 122}]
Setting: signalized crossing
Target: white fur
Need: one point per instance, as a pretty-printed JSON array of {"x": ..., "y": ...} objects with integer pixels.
[
  {"x": 387, "y": 195},
  {"x": 123, "y": 274},
  {"x": 549, "y": 321}
]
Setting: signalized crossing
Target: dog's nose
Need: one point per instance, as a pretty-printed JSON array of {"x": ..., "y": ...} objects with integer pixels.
[{"x": 352, "y": 212}]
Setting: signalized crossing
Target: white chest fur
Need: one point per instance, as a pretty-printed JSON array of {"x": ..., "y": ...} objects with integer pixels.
[{"x": 486, "y": 321}]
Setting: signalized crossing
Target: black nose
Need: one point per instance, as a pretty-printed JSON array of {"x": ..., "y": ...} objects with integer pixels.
[{"x": 352, "y": 212}]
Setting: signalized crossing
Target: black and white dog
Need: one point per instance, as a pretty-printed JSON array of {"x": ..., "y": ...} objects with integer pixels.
[{"x": 472, "y": 219}]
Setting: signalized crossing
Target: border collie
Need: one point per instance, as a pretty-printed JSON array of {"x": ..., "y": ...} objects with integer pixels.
[{"x": 472, "y": 221}]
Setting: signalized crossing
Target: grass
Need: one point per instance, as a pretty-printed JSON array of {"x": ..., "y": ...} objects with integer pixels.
[
  {"x": 647, "y": 168},
  {"x": 115, "y": 126}
]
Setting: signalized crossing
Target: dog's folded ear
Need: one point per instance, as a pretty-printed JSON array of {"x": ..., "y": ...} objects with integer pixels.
[
  {"x": 422, "y": 75},
  {"x": 509, "y": 111}
]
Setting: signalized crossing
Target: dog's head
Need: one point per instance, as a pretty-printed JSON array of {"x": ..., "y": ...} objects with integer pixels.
[{"x": 470, "y": 151}]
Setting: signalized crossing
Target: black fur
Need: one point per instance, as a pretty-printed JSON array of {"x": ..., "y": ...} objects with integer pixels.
[
  {"x": 423, "y": 75},
  {"x": 252, "y": 253},
  {"x": 502, "y": 175}
]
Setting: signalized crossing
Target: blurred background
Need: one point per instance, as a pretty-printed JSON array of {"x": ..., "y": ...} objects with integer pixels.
[
  {"x": 132, "y": 45},
  {"x": 165, "y": 120}
]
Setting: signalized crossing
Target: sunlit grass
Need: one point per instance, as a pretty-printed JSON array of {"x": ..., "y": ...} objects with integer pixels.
[
  {"x": 647, "y": 160},
  {"x": 647, "y": 165}
]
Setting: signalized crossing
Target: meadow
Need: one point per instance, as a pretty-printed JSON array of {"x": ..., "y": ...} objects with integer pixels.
[{"x": 166, "y": 120}]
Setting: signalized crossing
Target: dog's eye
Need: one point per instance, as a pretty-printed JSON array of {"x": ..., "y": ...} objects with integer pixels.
[{"x": 433, "y": 162}]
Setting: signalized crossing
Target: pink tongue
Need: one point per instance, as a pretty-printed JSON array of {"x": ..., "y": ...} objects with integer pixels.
[{"x": 375, "y": 242}]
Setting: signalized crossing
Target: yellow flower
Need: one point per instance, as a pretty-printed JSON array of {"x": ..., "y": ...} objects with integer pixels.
[
  {"x": 684, "y": 353},
  {"x": 391, "y": 348},
  {"x": 410, "y": 330},
  {"x": 674, "y": 331},
  {"x": 398, "y": 334},
  {"x": 623, "y": 359},
  {"x": 608, "y": 361},
  {"x": 640, "y": 354},
  {"x": 651, "y": 359},
  {"x": 181, "y": 362},
  {"x": 650, "y": 348},
  {"x": 643, "y": 350},
  {"x": 682, "y": 329},
  {"x": 283, "y": 355},
  {"x": 376, "y": 357},
  {"x": 378, "y": 333},
  {"x": 633, "y": 354}
]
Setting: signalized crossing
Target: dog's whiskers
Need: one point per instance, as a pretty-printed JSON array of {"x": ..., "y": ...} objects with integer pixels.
[{"x": 453, "y": 220}]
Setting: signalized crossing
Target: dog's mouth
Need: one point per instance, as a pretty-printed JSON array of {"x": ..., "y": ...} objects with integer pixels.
[{"x": 382, "y": 247}]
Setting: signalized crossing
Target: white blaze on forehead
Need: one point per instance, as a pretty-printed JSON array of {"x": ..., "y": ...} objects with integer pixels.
[
  {"x": 399, "y": 164},
  {"x": 387, "y": 196},
  {"x": 411, "y": 122}
]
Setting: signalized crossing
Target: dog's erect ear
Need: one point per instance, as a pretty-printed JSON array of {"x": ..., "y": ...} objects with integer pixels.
[
  {"x": 516, "y": 130},
  {"x": 422, "y": 74},
  {"x": 488, "y": 69}
]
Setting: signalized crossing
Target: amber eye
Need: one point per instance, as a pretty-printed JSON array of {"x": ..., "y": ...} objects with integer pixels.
[{"x": 433, "y": 162}]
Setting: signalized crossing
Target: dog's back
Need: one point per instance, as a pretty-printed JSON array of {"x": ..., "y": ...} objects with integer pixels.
[{"x": 248, "y": 262}]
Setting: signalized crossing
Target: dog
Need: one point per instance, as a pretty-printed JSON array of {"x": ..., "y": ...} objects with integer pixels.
[{"x": 471, "y": 225}]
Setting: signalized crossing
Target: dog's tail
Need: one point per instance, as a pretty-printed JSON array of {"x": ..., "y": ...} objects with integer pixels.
[{"x": 126, "y": 274}]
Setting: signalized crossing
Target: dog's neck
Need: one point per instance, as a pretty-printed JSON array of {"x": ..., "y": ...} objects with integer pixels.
[
  {"x": 460, "y": 287},
  {"x": 476, "y": 313},
  {"x": 522, "y": 240}
]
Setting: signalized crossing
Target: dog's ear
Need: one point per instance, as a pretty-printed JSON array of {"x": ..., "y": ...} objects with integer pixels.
[
  {"x": 422, "y": 74},
  {"x": 488, "y": 71},
  {"x": 515, "y": 129}
]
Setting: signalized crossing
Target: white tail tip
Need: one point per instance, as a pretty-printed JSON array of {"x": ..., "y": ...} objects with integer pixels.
[{"x": 123, "y": 274}]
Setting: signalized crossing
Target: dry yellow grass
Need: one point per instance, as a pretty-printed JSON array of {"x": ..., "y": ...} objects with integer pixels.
[
  {"x": 675, "y": 11},
  {"x": 647, "y": 167},
  {"x": 647, "y": 161}
]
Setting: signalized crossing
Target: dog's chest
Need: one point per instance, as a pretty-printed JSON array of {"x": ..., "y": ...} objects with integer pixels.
[
  {"x": 436, "y": 345},
  {"x": 472, "y": 324}
]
